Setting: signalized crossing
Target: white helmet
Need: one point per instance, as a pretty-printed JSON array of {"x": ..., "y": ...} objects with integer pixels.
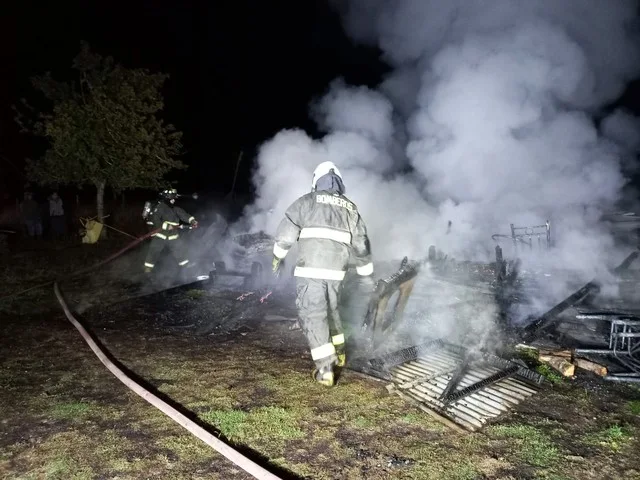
[{"x": 321, "y": 170}]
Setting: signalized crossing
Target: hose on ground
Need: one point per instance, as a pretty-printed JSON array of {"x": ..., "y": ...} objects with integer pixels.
[{"x": 236, "y": 457}]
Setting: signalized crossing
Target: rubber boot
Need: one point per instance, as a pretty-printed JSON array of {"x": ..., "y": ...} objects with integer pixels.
[
  {"x": 342, "y": 357},
  {"x": 324, "y": 376},
  {"x": 338, "y": 343}
]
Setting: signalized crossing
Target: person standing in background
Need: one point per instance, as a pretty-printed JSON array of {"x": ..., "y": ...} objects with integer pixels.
[
  {"x": 30, "y": 212},
  {"x": 56, "y": 216}
]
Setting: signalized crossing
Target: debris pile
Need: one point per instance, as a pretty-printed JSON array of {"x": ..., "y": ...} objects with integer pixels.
[{"x": 465, "y": 387}]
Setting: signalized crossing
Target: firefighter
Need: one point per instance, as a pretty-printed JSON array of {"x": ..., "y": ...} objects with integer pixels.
[
  {"x": 166, "y": 216},
  {"x": 329, "y": 230}
]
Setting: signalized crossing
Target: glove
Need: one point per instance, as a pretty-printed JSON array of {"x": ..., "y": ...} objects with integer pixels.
[
  {"x": 194, "y": 224},
  {"x": 276, "y": 264}
]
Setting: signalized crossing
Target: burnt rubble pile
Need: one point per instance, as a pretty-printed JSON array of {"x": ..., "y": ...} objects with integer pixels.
[
  {"x": 598, "y": 327},
  {"x": 526, "y": 308},
  {"x": 246, "y": 248},
  {"x": 258, "y": 242}
]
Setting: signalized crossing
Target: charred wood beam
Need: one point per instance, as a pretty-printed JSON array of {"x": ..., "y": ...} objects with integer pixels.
[
  {"x": 454, "y": 381},
  {"x": 404, "y": 291},
  {"x": 390, "y": 284},
  {"x": 496, "y": 377},
  {"x": 405, "y": 355},
  {"x": 549, "y": 318},
  {"x": 626, "y": 263},
  {"x": 501, "y": 267},
  {"x": 365, "y": 366},
  {"x": 525, "y": 374},
  {"x": 593, "y": 287},
  {"x": 402, "y": 282}
]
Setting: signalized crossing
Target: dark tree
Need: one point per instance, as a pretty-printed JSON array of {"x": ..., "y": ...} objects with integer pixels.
[{"x": 104, "y": 129}]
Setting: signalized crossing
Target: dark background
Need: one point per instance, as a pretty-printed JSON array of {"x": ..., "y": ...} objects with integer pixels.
[{"x": 240, "y": 70}]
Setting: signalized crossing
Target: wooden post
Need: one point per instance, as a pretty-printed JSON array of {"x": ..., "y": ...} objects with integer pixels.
[
  {"x": 100, "y": 205},
  {"x": 235, "y": 175},
  {"x": 501, "y": 266}
]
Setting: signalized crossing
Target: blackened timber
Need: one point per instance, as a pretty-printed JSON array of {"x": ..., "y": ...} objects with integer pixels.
[
  {"x": 405, "y": 355},
  {"x": 546, "y": 320},
  {"x": 529, "y": 376},
  {"x": 626, "y": 263},
  {"x": 402, "y": 282},
  {"x": 496, "y": 377},
  {"x": 455, "y": 379},
  {"x": 530, "y": 331},
  {"x": 364, "y": 366}
]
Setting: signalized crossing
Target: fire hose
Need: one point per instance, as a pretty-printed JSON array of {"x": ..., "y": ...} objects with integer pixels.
[{"x": 236, "y": 457}]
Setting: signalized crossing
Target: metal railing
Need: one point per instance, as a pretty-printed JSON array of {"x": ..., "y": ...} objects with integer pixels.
[{"x": 525, "y": 236}]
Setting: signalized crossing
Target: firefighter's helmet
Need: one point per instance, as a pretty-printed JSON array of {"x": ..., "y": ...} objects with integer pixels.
[
  {"x": 169, "y": 194},
  {"x": 323, "y": 169}
]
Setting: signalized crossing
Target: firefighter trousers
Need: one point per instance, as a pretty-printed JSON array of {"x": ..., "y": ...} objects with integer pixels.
[
  {"x": 317, "y": 303},
  {"x": 158, "y": 245}
]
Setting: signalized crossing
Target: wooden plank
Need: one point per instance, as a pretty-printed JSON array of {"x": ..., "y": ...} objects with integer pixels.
[
  {"x": 566, "y": 369},
  {"x": 591, "y": 366}
]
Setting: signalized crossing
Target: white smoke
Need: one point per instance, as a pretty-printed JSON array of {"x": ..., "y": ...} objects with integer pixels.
[{"x": 489, "y": 108}]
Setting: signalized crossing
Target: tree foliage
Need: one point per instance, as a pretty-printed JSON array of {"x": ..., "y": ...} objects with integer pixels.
[{"x": 103, "y": 129}]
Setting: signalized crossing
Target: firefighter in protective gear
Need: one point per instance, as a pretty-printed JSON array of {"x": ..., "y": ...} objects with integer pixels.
[
  {"x": 166, "y": 216},
  {"x": 330, "y": 231}
]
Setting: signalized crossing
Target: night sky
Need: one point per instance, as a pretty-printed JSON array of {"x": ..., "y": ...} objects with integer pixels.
[{"x": 240, "y": 70}]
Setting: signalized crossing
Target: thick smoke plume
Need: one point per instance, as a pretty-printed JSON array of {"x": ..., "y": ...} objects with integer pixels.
[{"x": 487, "y": 119}]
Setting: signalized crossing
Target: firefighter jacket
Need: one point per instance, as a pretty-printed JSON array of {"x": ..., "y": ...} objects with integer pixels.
[
  {"x": 167, "y": 217},
  {"x": 329, "y": 230}
]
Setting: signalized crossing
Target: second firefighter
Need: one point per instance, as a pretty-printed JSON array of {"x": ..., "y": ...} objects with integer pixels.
[{"x": 165, "y": 216}]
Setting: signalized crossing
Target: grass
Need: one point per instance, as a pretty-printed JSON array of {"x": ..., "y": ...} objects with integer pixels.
[
  {"x": 263, "y": 402},
  {"x": 550, "y": 374},
  {"x": 614, "y": 438},
  {"x": 530, "y": 356},
  {"x": 276, "y": 423},
  {"x": 66, "y": 417},
  {"x": 533, "y": 447},
  {"x": 70, "y": 410},
  {"x": 66, "y": 468},
  {"x": 634, "y": 407},
  {"x": 42, "y": 262}
]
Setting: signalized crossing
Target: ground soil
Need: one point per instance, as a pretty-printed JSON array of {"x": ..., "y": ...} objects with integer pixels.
[{"x": 237, "y": 366}]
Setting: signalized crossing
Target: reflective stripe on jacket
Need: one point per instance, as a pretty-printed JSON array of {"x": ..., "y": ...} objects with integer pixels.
[{"x": 166, "y": 217}]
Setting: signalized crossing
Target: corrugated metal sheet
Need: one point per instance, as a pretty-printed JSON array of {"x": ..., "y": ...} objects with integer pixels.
[{"x": 455, "y": 386}]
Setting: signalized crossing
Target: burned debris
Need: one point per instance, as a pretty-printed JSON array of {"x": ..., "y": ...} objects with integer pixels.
[
  {"x": 467, "y": 385},
  {"x": 462, "y": 387}
]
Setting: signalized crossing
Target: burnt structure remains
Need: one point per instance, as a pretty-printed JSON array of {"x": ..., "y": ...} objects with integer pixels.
[{"x": 466, "y": 386}]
